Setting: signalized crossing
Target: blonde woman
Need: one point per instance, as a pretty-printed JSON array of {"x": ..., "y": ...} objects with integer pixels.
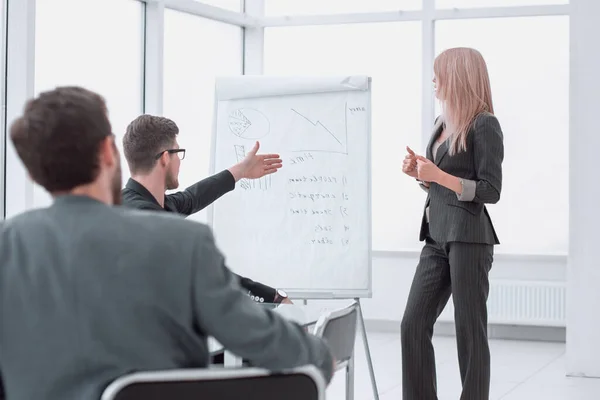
[{"x": 461, "y": 173}]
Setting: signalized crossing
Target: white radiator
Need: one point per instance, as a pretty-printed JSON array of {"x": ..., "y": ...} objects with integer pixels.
[{"x": 522, "y": 303}]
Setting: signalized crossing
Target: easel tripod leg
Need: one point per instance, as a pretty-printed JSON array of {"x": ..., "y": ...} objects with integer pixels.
[
  {"x": 367, "y": 351},
  {"x": 350, "y": 379}
]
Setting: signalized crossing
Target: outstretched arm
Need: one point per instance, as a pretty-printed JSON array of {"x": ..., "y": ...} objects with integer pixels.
[
  {"x": 205, "y": 192},
  {"x": 255, "y": 166},
  {"x": 202, "y": 194}
]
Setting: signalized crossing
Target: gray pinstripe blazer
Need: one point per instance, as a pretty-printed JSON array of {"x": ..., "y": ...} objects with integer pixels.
[{"x": 464, "y": 218}]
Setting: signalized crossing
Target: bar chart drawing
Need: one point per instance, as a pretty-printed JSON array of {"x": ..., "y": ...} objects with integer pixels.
[{"x": 263, "y": 183}]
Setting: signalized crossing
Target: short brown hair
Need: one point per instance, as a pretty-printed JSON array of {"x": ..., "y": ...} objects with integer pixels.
[
  {"x": 147, "y": 136},
  {"x": 59, "y": 135}
]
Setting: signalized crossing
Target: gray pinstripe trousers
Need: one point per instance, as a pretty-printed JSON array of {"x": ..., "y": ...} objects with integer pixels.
[{"x": 461, "y": 269}]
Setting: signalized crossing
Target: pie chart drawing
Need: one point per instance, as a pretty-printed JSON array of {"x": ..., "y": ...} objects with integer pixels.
[{"x": 249, "y": 123}]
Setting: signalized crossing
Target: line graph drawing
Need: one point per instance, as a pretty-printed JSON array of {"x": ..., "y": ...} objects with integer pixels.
[
  {"x": 318, "y": 123},
  {"x": 249, "y": 123},
  {"x": 321, "y": 138},
  {"x": 263, "y": 183}
]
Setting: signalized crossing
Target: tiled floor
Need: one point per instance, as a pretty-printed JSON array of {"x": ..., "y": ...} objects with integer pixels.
[{"x": 520, "y": 371}]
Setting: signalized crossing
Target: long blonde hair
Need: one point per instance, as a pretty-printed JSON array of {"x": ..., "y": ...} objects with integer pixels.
[{"x": 464, "y": 90}]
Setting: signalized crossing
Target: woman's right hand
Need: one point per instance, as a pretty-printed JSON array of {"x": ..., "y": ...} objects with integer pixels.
[{"x": 409, "y": 165}]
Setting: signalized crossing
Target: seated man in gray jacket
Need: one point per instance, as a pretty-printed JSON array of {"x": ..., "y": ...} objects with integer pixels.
[{"x": 89, "y": 292}]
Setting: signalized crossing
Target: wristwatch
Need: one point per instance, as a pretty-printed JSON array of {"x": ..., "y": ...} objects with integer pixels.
[{"x": 280, "y": 295}]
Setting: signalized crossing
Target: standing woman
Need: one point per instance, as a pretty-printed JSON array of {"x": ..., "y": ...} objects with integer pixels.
[{"x": 461, "y": 173}]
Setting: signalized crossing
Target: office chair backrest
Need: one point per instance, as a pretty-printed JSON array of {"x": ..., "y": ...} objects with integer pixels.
[
  {"x": 338, "y": 328},
  {"x": 305, "y": 383}
]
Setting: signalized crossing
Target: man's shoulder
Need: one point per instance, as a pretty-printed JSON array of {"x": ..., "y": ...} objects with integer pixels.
[
  {"x": 133, "y": 199},
  {"x": 170, "y": 224},
  {"x": 22, "y": 219}
]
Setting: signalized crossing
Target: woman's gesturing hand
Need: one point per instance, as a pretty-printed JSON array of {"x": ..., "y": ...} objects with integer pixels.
[
  {"x": 409, "y": 165},
  {"x": 427, "y": 171}
]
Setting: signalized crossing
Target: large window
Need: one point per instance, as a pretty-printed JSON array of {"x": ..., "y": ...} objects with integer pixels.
[
  {"x": 528, "y": 61},
  {"x": 308, "y": 7},
  {"x": 97, "y": 44},
  {"x": 391, "y": 54},
  {"x": 196, "y": 51}
]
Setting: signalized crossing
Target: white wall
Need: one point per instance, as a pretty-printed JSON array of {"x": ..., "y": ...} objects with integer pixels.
[
  {"x": 583, "y": 320},
  {"x": 393, "y": 273}
]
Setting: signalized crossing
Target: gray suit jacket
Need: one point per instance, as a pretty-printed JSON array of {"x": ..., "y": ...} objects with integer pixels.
[
  {"x": 464, "y": 218},
  {"x": 90, "y": 292}
]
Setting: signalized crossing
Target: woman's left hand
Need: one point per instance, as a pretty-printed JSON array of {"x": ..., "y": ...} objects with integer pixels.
[{"x": 427, "y": 171}]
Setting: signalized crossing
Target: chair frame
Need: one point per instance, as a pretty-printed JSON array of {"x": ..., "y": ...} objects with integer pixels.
[
  {"x": 319, "y": 330},
  {"x": 200, "y": 374}
]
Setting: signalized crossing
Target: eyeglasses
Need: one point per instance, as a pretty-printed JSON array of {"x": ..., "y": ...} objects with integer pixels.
[{"x": 180, "y": 153}]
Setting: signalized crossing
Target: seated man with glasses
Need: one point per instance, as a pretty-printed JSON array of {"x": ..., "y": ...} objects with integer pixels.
[{"x": 154, "y": 157}]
